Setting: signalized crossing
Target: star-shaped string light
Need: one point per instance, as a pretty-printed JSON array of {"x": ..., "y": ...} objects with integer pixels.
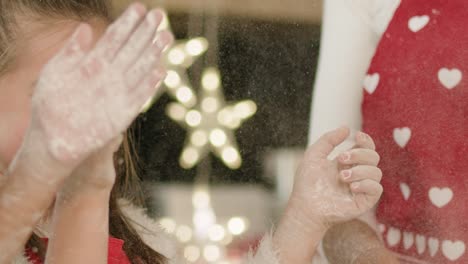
[
  {"x": 177, "y": 59},
  {"x": 211, "y": 123}
]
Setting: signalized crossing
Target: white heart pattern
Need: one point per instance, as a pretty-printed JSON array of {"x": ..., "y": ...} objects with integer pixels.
[
  {"x": 453, "y": 250},
  {"x": 402, "y": 136},
  {"x": 417, "y": 23},
  {"x": 393, "y": 236},
  {"x": 440, "y": 197},
  {"x": 405, "y": 190},
  {"x": 449, "y": 78},
  {"x": 408, "y": 240},
  {"x": 371, "y": 82},
  {"x": 433, "y": 245},
  {"x": 420, "y": 244}
]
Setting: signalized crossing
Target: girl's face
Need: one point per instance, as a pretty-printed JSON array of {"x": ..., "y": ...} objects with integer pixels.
[{"x": 38, "y": 45}]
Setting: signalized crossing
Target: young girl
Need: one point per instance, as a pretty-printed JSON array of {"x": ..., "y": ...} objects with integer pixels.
[
  {"x": 87, "y": 89},
  {"x": 411, "y": 55}
]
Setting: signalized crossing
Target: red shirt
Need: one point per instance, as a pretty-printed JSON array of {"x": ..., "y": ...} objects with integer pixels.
[
  {"x": 116, "y": 254},
  {"x": 416, "y": 108}
]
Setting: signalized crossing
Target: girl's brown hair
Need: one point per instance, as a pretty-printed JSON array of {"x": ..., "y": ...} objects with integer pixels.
[{"x": 127, "y": 183}]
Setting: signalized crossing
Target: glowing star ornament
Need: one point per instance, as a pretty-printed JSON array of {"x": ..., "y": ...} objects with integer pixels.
[
  {"x": 177, "y": 59},
  {"x": 211, "y": 123}
]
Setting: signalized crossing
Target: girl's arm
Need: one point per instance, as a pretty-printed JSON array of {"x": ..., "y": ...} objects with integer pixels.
[
  {"x": 351, "y": 30},
  {"x": 81, "y": 214}
]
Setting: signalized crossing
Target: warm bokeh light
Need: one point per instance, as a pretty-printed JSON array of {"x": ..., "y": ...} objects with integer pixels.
[
  {"x": 193, "y": 118},
  {"x": 168, "y": 224},
  {"x": 190, "y": 157},
  {"x": 199, "y": 138},
  {"x": 184, "y": 233},
  {"x": 176, "y": 56},
  {"x": 173, "y": 79},
  {"x": 211, "y": 253},
  {"x": 211, "y": 80},
  {"x": 218, "y": 137},
  {"x": 216, "y": 233},
  {"x": 237, "y": 225},
  {"x": 192, "y": 253}
]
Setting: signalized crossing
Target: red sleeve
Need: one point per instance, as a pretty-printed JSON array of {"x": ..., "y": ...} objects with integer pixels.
[
  {"x": 32, "y": 256},
  {"x": 116, "y": 254}
]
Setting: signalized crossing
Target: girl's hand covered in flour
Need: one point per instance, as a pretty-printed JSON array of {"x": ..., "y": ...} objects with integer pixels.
[
  {"x": 331, "y": 191},
  {"x": 86, "y": 96}
]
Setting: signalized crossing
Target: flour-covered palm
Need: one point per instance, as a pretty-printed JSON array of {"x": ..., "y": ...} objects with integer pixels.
[
  {"x": 337, "y": 190},
  {"x": 86, "y": 96}
]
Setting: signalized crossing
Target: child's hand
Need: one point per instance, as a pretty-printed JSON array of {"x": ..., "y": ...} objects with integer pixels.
[
  {"x": 331, "y": 191},
  {"x": 87, "y": 96}
]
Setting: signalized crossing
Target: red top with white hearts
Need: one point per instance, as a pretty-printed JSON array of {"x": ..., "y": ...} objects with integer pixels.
[{"x": 416, "y": 107}]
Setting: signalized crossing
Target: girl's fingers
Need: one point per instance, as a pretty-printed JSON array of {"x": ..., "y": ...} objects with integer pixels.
[
  {"x": 359, "y": 157},
  {"x": 328, "y": 142},
  {"x": 140, "y": 40},
  {"x": 118, "y": 33},
  {"x": 368, "y": 187},
  {"x": 367, "y": 193},
  {"x": 361, "y": 172},
  {"x": 148, "y": 59},
  {"x": 147, "y": 88},
  {"x": 364, "y": 141},
  {"x": 75, "y": 50}
]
